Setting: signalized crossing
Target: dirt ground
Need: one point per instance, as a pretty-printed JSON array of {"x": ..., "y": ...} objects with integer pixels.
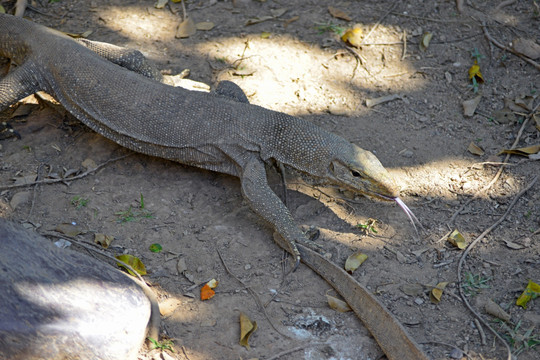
[{"x": 295, "y": 62}]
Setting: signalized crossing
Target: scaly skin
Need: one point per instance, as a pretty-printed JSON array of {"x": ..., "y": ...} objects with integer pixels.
[{"x": 219, "y": 131}]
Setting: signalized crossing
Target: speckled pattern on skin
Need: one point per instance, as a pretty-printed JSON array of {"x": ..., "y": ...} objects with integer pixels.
[{"x": 218, "y": 131}]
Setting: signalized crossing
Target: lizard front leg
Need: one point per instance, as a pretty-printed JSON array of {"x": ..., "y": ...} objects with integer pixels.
[{"x": 267, "y": 204}]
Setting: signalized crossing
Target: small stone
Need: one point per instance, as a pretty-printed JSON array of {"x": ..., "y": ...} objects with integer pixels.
[
  {"x": 418, "y": 301},
  {"x": 247, "y": 267}
]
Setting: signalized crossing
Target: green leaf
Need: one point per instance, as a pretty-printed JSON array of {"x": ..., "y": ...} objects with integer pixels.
[
  {"x": 132, "y": 261},
  {"x": 156, "y": 248}
]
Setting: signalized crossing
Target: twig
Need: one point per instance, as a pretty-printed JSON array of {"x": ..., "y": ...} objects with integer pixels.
[
  {"x": 404, "y": 45},
  {"x": 379, "y": 21},
  {"x": 481, "y": 332},
  {"x": 469, "y": 248},
  {"x": 495, "y": 178},
  {"x": 504, "y": 3},
  {"x": 76, "y": 177},
  {"x": 155, "y": 320},
  {"x": 499, "y": 45},
  {"x": 253, "y": 294}
]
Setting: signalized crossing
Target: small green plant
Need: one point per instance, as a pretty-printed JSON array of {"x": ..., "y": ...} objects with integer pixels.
[
  {"x": 79, "y": 202},
  {"x": 369, "y": 226},
  {"x": 473, "y": 284},
  {"x": 134, "y": 214},
  {"x": 474, "y": 85},
  {"x": 475, "y": 54},
  {"x": 520, "y": 342},
  {"x": 163, "y": 345},
  {"x": 330, "y": 27}
]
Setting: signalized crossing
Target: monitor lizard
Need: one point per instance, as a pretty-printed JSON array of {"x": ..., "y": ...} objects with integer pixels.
[{"x": 114, "y": 92}]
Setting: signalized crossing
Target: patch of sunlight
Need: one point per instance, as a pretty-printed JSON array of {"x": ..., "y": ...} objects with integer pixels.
[{"x": 281, "y": 72}]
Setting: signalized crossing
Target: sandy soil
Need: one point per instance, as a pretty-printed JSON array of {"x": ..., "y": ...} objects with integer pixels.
[{"x": 296, "y": 63}]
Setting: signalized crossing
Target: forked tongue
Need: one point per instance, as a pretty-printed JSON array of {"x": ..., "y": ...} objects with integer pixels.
[{"x": 409, "y": 213}]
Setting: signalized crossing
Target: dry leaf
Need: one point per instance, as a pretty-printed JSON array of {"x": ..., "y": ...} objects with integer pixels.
[
  {"x": 205, "y": 25},
  {"x": 258, "y": 20},
  {"x": 207, "y": 293},
  {"x": 474, "y": 72},
  {"x": 354, "y": 261},
  {"x": 70, "y": 230},
  {"x": 504, "y": 116},
  {"x": 436, "y": 293},
  {"x": 247, "y": 328},
  {"x": 513, "y": 245},
  {"x": 469, "y": 106},
  {"x": 337, "y": 304},
  {"x": 531, "y": 291},
  {"x": 132, "y": 261},
  {"x": 339, "y": 14},
  {"x": 412, "y": 289},
  {"x": 526, "y": 151},
  {"x": 353, "y": 37},
  {"x": 426, "y": 38},
  {"x": 527, "y": 47},
  {"x": 381, "y": 100},
  {"x": 160, "y": 4},
  {"x": 525, "y": 101},
  {"x": 287, "y": 22},
  {"x": 103, "y": 240},
  {"x": 185, "y": 29},
  {"x": 278, "y": 12},
  {"x": 458, "y": 240},
  {"x": 494, "y": 309},
  {"x": 475, "y": 149}
]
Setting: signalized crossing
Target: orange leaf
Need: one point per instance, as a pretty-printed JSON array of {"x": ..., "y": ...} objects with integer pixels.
[{"x": 207, "y": 292}]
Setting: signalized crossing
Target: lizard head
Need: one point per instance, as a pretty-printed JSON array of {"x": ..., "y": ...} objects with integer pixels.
[{"x": 360, "y": 171}]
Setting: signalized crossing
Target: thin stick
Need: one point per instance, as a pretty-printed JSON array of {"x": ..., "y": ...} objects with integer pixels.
[
  {"x": 499, "y": 45},
  {"x": 469, "y": 248},
  {"x": 253, "y": 294},
  {"x": 495, "y": 178},
  {"x": 481, "y": 332},
  {"x": 53, "y": 181},
  {"x": 379, "y": 21}
]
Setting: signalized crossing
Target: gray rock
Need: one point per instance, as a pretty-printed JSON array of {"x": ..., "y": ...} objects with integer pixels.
[{"x": 60, "y": 304}]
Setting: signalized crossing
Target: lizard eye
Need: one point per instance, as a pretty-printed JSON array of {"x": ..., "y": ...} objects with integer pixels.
[{"x": 355, "y": 173}]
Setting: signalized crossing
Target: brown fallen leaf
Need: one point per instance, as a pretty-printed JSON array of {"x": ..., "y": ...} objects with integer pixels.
[
  {"x": 354, "y": 261},
  {"x": 457, "y": 239},
  {"x": 504, "y": 116},
  {"x": 424, "y": 42},
  {"x": 339, "y": 14},
  {"x": 436, "y": 293},
  {"x": 185, "y": 29},
  {"x": 70, "y": 230},
  {"x": 337, "y": 304},
  {"x": 526, "y": 47},
  {"x": 494, "y": 309},
  {"x": 205, "y": 25},
  {"x": 469, "y": 106},
  {"x": 247, "y": 328},
  {"x": 103, "y": 240},
  {"x": 525, "y": 151},
  {"x": 475, "y": 149}
]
